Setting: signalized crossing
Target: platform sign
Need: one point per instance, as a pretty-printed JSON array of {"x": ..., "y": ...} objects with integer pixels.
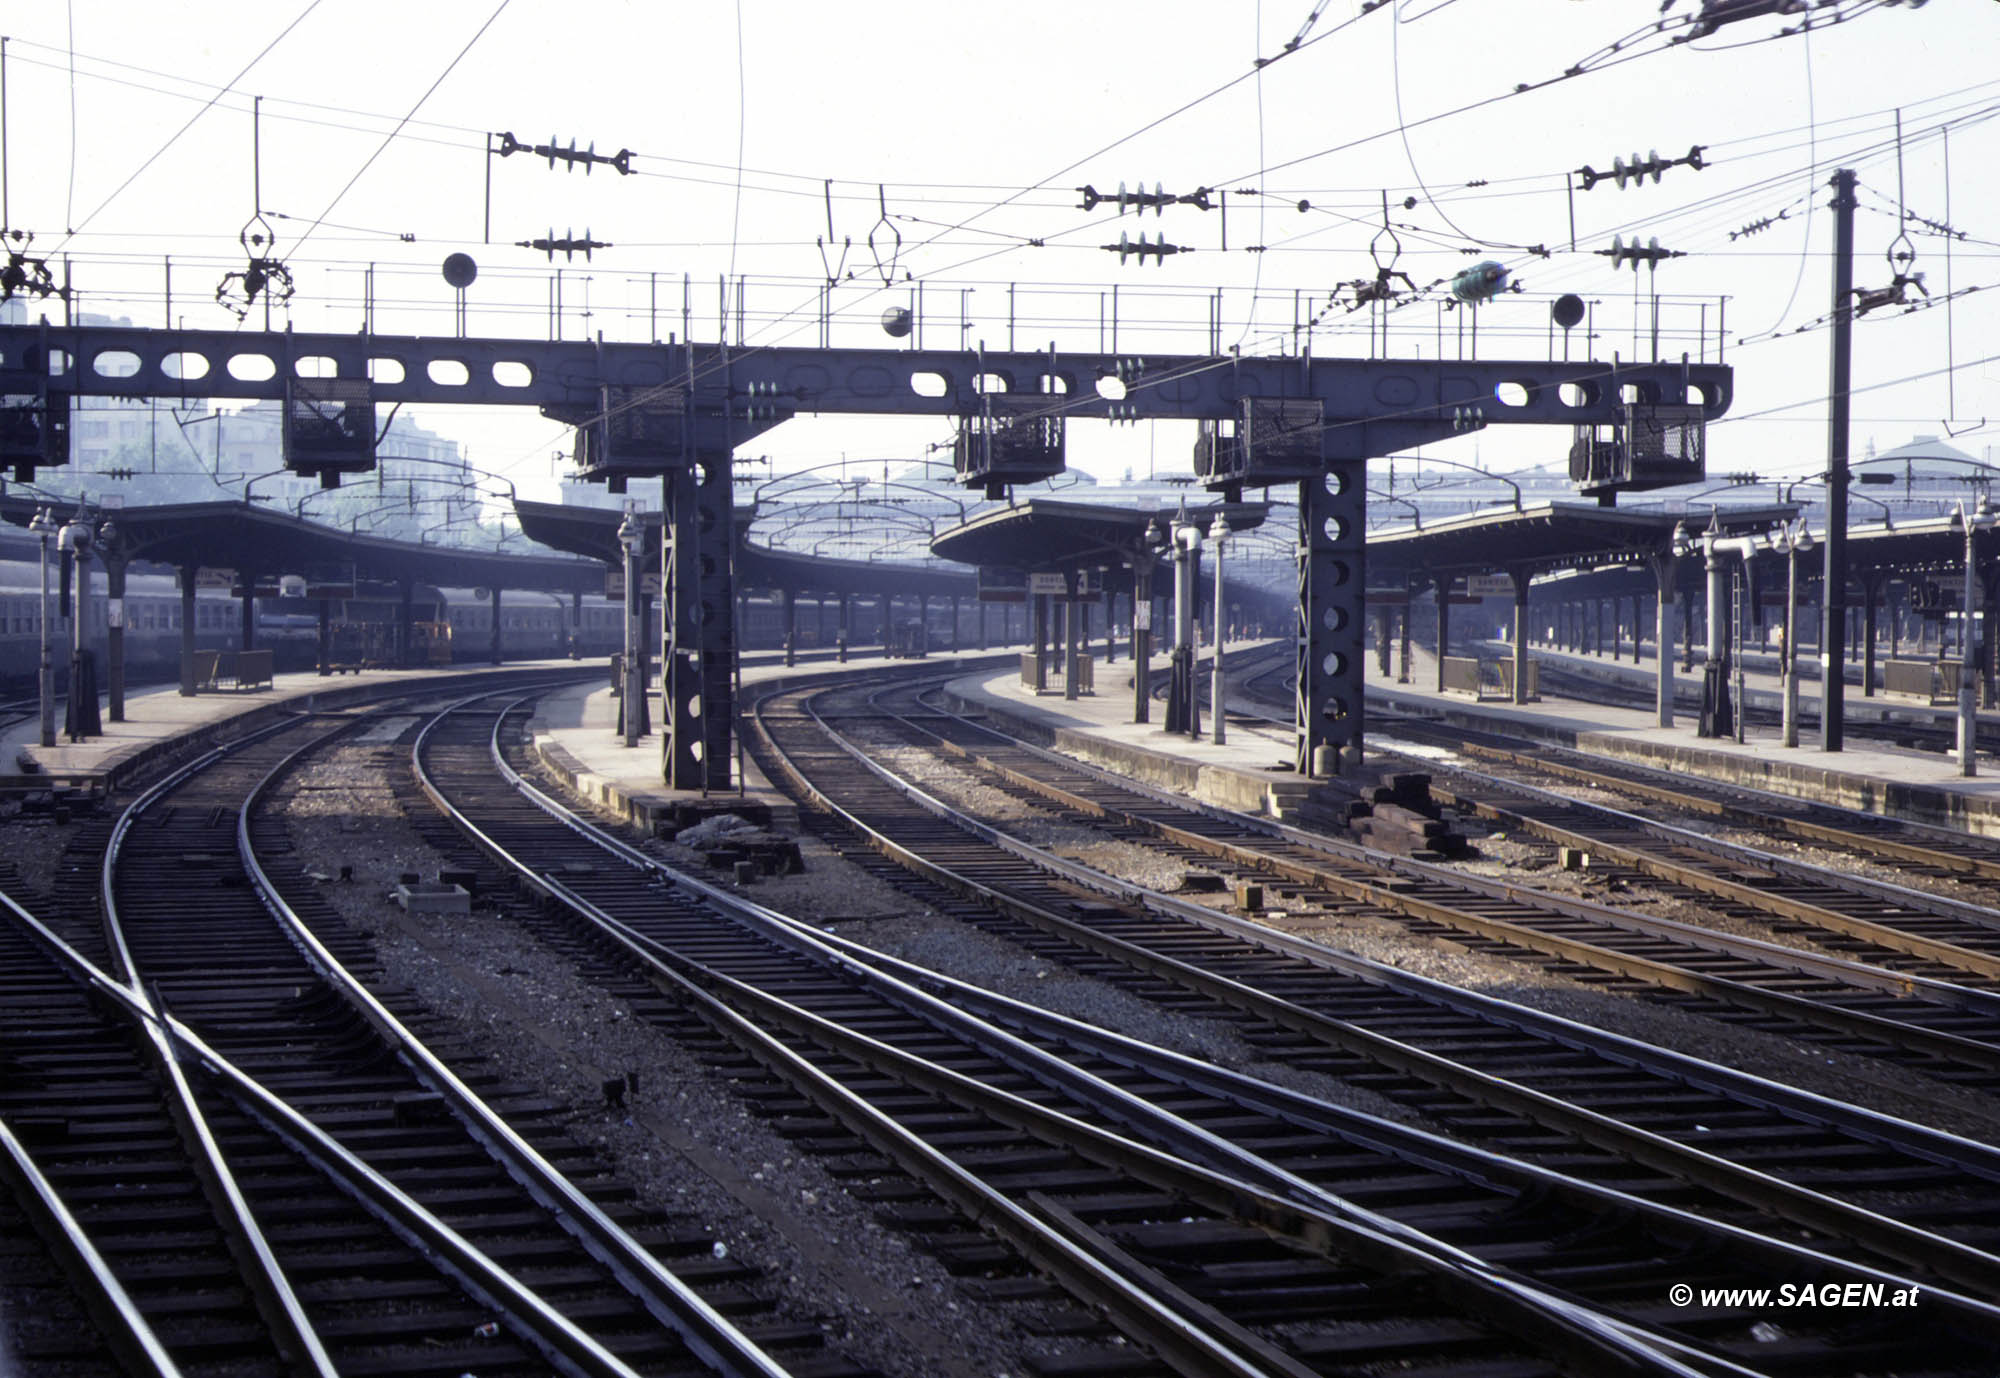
[
  {"x": 614, "y": 584},
  {"x": 1142, "y": 616},
  {"x": 1489, "y": 585},
  {"x": 337, "y": 591},
  {"x": 1089, "y": 583},
  {"x": 206, "y": 578}
]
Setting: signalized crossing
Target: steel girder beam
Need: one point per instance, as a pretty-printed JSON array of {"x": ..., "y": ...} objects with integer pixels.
[{"x": 1369, "y": 406}]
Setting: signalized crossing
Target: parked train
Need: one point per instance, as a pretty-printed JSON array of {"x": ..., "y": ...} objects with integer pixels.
[{"x": 446, "y": 625}]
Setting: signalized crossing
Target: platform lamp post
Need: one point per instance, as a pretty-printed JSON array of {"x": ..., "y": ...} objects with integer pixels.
[
  {"x": 1981, "y": 518},
  {"x": 1218, "y": 532},
  {"x": 1183, "y": 714},
  {"x": 631, "y": 537},
  {"x": 44, "y": 526},
  {"x": 82, "y": 720},
  {"x": 1794, "y": 541}
]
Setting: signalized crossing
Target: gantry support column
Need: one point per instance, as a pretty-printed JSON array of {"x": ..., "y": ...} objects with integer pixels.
[
  {"x": 187, "y": 577},
  {"x": 1332, "y": 568},
  {"x": 1142, "y": 636},
  {"x": 406, "y": 621},
  {"x": 1871, "y": 584},
  {"x": 1072, "y": 635},
  {"x": 1041, "y": 638},
  {"x": 1664, "y": 567},
  {"x": 248, "y": 609},
  {"x": 698, "y": 638},
  {"x": 1521, "y": 578},
  {"x": 114, "y": 635},
  {"x": 1444, "y": 626}
]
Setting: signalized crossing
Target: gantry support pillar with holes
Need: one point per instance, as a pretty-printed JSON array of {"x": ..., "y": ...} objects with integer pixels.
[
  {"x": 1331, "y": 565},
  {"x": 698, "y": 643}
]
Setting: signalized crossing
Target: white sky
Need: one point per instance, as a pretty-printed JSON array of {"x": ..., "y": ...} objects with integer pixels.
[{"x": 957, "y": 108}]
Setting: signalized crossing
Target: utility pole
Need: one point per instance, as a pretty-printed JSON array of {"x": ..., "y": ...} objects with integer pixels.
[{"x": 1833, "y": 597}]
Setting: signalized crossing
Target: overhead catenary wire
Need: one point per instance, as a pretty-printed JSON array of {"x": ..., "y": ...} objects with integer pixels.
[{"x": 430, "y": 90}]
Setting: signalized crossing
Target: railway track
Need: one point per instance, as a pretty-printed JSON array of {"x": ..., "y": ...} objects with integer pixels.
[
  {"x": 1921, "y": 850},
  {"x": 1427, "y": 1041},
  {"x": 322, "y": 1192},
  {"x": 1937, "y": 1026},
  {"x": 848, "y": 1011},
  {"x": 1912, "y": 931}
]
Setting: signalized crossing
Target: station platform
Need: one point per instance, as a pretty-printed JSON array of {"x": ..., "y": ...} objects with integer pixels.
[
  {"x": 1252, "y": 771},
  {"x": 575, "y": 734},
  {"x": 1915, "y": 785},
  {"x": 160, "y": 721}
]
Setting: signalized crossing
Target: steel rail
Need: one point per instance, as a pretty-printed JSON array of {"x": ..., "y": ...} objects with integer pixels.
[
  {"x": 1861, "y": 837},
  {"x": 706, "y": 1332},
  {"x": 1199, "y": 1166},
  {"x": 1922, "y": 1249},
  {"x": 1648, "y": 863},
  {"x": 1185, "y": 1138},
  {"x": 1403, "y": 1141},
  {"x": 1381, "y": 893},
  {"x": 572, "y": 1351},
  {"x": 126, "y": 1332},
  {"x": 1188, "y": 1348},
  {"x": 892, "y": 977},
  {"x": 292, "y": 1331}
]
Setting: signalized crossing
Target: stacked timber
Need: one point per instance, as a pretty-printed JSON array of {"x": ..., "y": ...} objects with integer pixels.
[{"x": 1397, "y": 814}]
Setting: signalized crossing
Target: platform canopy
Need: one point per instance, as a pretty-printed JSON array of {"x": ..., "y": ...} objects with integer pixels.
[
  {"x": 1048, "y": 534},
  {"x": 593, "y": 532},
  {"x": 246, "y": 538},
  {"x": 1548, "y": 538}
]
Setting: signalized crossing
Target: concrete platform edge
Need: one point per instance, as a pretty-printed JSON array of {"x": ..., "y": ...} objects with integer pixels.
[
  {"x": 1274, "y": 796},
  {"x": 120, "y": 768}
]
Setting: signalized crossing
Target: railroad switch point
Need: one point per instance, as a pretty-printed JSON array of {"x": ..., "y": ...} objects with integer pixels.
[{"x": 1249, "y": 897}]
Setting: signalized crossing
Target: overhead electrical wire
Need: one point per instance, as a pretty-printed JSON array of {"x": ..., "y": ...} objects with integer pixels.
[
  {"x": 390, "y": 137},
  {"x": 75, "y": 227}
]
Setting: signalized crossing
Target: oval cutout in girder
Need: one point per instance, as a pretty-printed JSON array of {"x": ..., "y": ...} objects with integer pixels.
[
  {"x": 252, "y": 368},
  {"x": 448, "y": 373},
  {"x": 512, "y": 373},
  {"x": 1111, "y": 388},
  {"x": 1513, "y": 394},
  {"x": 990, "y": 382},
  {"x": 315, "y": 366},
  {"x": 385, "y": 370},
  {"x": 930, "y": 384},
  {"x": 115, "y": 363},
  {"x": 1577, "y": 395},
  {"x": 185, "y": 365}
]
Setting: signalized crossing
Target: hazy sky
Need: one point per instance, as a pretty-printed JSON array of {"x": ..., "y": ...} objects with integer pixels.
[{"x": 966, "y": 130}]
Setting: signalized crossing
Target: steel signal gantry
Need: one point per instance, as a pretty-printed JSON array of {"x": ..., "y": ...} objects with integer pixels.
[{"x": 677, "y": 411}]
